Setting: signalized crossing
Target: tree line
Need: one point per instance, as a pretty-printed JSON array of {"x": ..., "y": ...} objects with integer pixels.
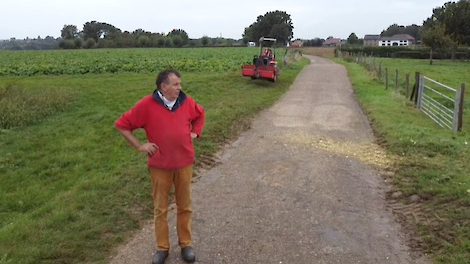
[
  {"x": 38, "y": 43},
  {"x": 103, "y": 35},
  {"x": 276, "y": 24}
]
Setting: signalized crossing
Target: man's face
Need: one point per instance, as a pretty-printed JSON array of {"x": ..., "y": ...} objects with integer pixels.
[{"x": 171, "y": 88}]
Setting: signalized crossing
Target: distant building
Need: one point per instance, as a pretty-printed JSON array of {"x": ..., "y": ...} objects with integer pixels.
[
  {"x": 332, "y": 42},
  {"x": 371, "y": 40},
  {"x": 296, "y": 44},
  {"x": 395, "y": 40},
  {"x": 251, "y": 44}
]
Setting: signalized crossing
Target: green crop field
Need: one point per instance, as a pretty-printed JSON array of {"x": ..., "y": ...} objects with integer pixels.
[
  {"x": 70, "y": 187},
  {"x": 27, "y": 63}
]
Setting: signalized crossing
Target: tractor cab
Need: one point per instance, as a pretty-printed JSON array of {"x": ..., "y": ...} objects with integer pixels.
[{"x": 264, "y": 64}]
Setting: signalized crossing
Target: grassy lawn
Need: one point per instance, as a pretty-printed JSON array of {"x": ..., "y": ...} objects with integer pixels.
[
  {"x": 450, "y": 73},
  {"x": 429, "y": 161},
  {"x": 70, "y": 188}
]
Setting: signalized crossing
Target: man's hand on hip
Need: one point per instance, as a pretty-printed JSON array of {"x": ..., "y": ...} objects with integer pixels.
[{"x": 149, "y": 148}]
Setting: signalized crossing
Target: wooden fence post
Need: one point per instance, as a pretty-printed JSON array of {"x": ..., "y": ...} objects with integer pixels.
[
  {"x": 386, "y": 78},
  {"x": 396, "y": 80},
  {"x": 414, "y": 95},
  {"x": 462, "y": 95},
  {"x": 380, "y": 71},
  {"x": 407, "y": 93}
]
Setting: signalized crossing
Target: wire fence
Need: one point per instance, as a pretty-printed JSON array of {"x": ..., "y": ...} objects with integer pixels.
[{"x": 443, "y": 104}]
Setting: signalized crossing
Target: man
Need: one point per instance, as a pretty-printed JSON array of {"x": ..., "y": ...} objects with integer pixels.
[{"x": 171, "y": 121}]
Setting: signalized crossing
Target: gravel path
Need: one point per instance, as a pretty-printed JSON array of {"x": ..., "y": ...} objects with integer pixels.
[{"x": 301, "y": 186}]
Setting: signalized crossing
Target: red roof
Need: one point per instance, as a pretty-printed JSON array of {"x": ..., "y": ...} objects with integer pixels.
[{"x": 332, "y": 41}]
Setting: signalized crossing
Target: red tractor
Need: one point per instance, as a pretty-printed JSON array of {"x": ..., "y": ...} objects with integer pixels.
[{"x": 264, "y": 65}]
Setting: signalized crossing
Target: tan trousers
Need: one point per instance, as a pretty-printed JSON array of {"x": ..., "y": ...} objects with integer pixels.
[{"x": 162, "y": 181}]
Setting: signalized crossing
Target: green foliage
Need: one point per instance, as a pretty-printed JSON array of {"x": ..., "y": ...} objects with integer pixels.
[
  {"x": 168, "y": 42},
  {"x": 69, "y": 32},
  {"x": 67, "y": 44},
  {"x": 89, "y": 43},
  {"x": 205, "y": 40},
  {"x": 180, "y": 33},
  {"x": 123, "y": 60},
  {"x": 177, "y": 41},
  {"x": 276, "y": 24},
  {"x": 143, "y": 41},
  {"x": 78, "y": 42},
  {"x": 376, "y": 51},
  {"x": 401, "y": 52},
  {"x": 160, "y": 42},
  {"x": 20, "y": 107},
  {"x": 423, "y": 54},
  {"x": 435, "y": 37},
  {"x": 353, "y": 39},
  {"x": 96, "y": 30},
  {"x": 412, "y": 30},
  {"x": 455, "y": 18}
]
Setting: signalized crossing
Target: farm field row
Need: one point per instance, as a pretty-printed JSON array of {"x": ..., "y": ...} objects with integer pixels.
[{"x": 69, "y": 62}]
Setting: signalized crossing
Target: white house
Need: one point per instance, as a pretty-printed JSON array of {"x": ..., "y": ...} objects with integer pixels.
[{"x": 396, "y": 40}]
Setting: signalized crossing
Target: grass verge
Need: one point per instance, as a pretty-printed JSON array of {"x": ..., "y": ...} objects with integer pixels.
[
  {"x": 71, "y": 189},
  {"x": 21, "y": 107},
  {"x": 429, "y": 161}
]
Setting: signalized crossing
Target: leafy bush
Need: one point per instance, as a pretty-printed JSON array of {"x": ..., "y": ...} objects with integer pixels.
[
  {"x": 404, "y": 52},
  {"x": 89, "y": 43},
  {"x": 425, "y": 55}
]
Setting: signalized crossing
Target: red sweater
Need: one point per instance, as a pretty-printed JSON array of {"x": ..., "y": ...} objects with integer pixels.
[{"x": 168, "y": 129}]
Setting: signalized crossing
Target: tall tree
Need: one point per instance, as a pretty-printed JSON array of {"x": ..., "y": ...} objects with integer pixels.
[
  {"x": 353, "y": 39},
  {"x": 393, "y": 30},
  {"x": 413, "y": 30},
  {"x": 69, "y": 32},
  {"x": 205, "y": 40},
  {"x": 435, "y": 38},
  {"x": 181, "y": 33},
  {"x": 455, "y": 18},
  {"x": 276, "y": 24},
  {"x": 96, "y": 30}
]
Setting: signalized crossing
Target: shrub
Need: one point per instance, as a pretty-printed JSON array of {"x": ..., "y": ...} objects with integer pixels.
[
  {"x": 89, "y": 43},
  {"x": 67, "y": 44},
  {"x": 78, "y": 43}
]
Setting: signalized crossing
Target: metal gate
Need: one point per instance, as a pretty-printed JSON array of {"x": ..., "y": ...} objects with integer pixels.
[{"x": 441, "y": 103}]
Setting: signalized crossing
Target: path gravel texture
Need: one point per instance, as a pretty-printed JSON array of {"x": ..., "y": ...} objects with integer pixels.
[{"x": 303, "y": 185}]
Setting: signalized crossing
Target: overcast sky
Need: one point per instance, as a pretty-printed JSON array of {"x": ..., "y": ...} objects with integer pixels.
[{"x": 314, "y": 18}]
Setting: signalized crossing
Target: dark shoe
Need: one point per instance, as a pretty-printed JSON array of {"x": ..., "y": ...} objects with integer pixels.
[
  {"x": 159, "y": 257},
  {"x": 188, "y": 254}
]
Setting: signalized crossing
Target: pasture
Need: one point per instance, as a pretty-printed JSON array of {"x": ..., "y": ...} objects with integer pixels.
[{"x": 70, "y": 188}]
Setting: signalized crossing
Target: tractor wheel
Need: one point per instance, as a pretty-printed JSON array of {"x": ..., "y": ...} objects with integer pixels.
[{"x": 274, "y": 79}]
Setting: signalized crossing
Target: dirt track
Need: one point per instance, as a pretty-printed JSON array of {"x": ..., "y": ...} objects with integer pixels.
[{"x": 301, "y": 186}]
